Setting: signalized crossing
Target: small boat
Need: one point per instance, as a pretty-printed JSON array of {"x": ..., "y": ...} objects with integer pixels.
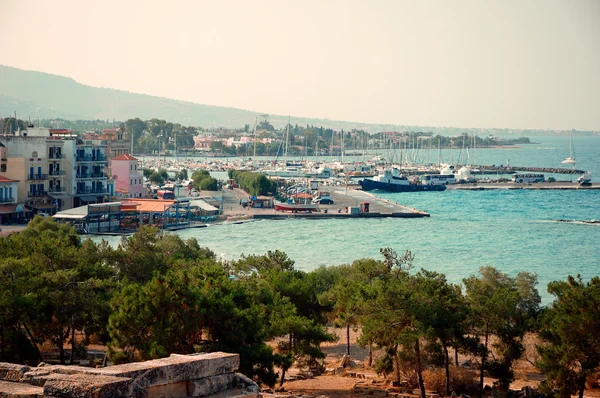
[
  {"x": 393, "y": 181},
  {"x": 295, "y": 207},
  {"x": 571, "y": 158}
]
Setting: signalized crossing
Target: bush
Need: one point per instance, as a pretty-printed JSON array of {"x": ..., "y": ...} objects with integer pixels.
[{"x": 461, "y": 380}]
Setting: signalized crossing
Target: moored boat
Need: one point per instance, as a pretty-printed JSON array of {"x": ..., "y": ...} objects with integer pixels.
[
  {"x": 393, "y": 181},
  {"x": 295, "y": 207}
]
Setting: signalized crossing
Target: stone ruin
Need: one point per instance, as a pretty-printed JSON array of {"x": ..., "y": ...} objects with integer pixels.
[{"x": 195, "y": 375}]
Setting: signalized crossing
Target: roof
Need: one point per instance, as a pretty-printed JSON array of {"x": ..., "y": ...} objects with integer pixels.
[
  {"x": 4, "y": 179},
  {"x": 75, "y": 213},
  {"x": 124, "y": 157},
  {"x": 203, "y": 205},
  {"x": 151, "y": 205}
]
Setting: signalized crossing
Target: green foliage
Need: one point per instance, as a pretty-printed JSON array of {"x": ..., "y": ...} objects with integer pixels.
[
  {"x": 501, "y": 306},
  {"x": 182, "y": 174},
  {"x": 253, "y": 183},
  {"x": 570, "y": 328},
  {"x": 57, "y": 286},
  {"x": 202, "y": 181},
  {"x": 148, "y": 173}
]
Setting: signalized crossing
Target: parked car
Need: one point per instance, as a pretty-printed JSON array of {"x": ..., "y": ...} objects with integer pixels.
[{"x": 323, "y": 201}]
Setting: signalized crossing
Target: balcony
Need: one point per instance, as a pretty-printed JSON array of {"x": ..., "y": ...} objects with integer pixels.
[
  {"x": 98, "y": 175},
  {"x": 56, "y": 156},
  {"x": 90, "y": 191},
  {"x": 57, "y": 190},
  {"x": 90, "y": 158},
  {"x": 7, "y": 200},
  {"x": 33, "y": 177},
  {"x": 56, "y": 173},
  {"x": 36, "y": 194}
]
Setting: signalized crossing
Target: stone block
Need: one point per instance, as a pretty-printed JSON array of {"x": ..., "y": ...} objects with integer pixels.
[
  {"x": 197, "y": 366},
  {"x": 12, "y": 372},
  {"x": 144, "y": 374},
  {"x": 211, "y": 385},
  {"x": 18, "y": 390},
  {"x": 87, "y": 386},
  {"x": 168, "y": 390},
  {"x": 246, "y": 383}
]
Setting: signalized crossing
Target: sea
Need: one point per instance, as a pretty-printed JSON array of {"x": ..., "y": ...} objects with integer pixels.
[{"x": 512, "y": 230}]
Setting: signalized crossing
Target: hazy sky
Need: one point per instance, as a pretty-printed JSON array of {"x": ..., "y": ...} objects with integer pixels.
[{"x": 480, "y": 63}]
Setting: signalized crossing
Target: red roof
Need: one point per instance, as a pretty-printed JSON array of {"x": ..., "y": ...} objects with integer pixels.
[
  {"x": 4, "y": 179},
  {"x": 124, "y": 157}
]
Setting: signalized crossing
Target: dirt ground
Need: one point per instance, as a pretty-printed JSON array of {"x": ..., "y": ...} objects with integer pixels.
[{"x": 337, "y": 386}]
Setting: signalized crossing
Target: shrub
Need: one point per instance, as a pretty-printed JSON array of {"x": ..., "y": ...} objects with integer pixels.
[{"x": 461, "y": 380}]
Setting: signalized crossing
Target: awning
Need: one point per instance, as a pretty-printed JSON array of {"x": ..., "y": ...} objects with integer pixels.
[
  {"x": 203, "y": 205},
  {"x": 8, "y": 209},
  {"x": 59, "y": 195},
  {"x": 69, "y": 216},
  {"x": 41, "y": 206},
  {"x": 89, "y": 197}
]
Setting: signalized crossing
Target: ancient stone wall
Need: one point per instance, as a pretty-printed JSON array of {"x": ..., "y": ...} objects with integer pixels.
[{"x": 196, "y": 375}]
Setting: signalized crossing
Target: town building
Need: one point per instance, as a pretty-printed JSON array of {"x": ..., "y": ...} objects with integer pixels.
[
  {"x": 128, "y": 176},
  {"x": 54, "y": 169}
]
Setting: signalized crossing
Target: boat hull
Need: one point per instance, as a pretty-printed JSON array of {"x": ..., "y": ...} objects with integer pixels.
[
  {"x": 296, "y": 208},
  {"x": 371, "y": 185}
]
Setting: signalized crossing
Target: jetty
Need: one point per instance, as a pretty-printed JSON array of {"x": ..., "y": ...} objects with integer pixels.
[
  {"x": 556, "y": 185},
  {"x": 348, "y": 203}
]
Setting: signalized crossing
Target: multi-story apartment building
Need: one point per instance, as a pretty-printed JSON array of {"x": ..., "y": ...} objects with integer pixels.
[
  {"x": 55, "y": 169},
  {"x": 116, "y": 140},
  {"x": 89, "y": 181},
  {"x": 36, "y": 162}
]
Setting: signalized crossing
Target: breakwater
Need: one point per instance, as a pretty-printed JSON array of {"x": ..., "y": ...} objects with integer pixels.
[{"x": 512, "y": 169}]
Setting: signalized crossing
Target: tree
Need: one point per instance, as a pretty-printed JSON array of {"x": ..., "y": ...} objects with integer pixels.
[
  {"x": 61, "y": 287},
  {"x": 209, "y": 184},
  {"x": 501, "y": 306},
  {"x": 570, "y": 330},
  {"x": 135, "y": 128},
  {"x": 439, "y": 313}
]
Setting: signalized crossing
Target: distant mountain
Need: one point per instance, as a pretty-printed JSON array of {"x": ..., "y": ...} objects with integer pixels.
[
  {"x": 42, "y": 95},
  {"x": 45, "y": 96}
]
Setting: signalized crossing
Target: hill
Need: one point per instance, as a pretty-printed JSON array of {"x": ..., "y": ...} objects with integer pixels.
[{"x": 45, "y": 96}]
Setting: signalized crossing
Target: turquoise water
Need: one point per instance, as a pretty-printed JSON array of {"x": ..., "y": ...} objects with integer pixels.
[{"x": 510, "y": 230}]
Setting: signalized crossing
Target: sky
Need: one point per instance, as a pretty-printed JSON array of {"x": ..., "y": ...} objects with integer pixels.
[{"x": 481, "y": 63}]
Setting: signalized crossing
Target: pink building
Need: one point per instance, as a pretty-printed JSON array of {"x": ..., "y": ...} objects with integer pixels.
[{"x": 128, "y": 176}]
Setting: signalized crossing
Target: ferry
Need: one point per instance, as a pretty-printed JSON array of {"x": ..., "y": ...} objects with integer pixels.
[{"x": 393, "y": 181}]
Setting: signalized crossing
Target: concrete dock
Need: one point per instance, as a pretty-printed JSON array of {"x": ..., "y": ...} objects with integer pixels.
[
  {"x": 342, "y": 198},
  {"x": 557, "y": 185}
]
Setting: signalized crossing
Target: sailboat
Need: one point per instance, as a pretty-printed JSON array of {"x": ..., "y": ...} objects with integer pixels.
[{"x": 571, "y": 158}]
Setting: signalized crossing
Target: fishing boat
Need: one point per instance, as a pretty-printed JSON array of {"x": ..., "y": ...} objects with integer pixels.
[
  {"x": 392, "y": 181},
  {"x": 294, "y": 207}
]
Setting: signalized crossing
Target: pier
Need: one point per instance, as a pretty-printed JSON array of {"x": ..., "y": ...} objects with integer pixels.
[
  {"x": 343, "y": 199},
  {"x": 557, "y": 185}
]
